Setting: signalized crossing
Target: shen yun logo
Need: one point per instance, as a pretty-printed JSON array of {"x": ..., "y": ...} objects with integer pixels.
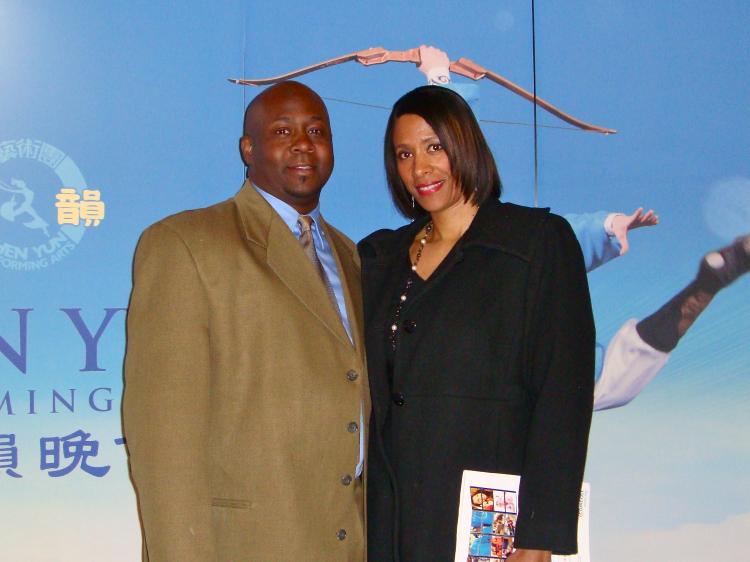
[{"x": 30, "y": 172}]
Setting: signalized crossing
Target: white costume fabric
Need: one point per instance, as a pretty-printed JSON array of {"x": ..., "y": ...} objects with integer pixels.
[{"x": 629, "y": 365}]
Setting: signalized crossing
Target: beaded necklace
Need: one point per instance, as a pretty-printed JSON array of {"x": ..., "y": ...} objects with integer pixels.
[{"x": 409, "y": 282}]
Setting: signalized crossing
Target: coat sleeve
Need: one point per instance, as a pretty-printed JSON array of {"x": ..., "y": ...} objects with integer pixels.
[
  {"x": 559, "y": 363},
  {"x": 166, "y": 399}
]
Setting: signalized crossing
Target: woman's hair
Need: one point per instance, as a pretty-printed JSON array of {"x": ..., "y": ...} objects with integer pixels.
[{"x": 472, "y": 164}]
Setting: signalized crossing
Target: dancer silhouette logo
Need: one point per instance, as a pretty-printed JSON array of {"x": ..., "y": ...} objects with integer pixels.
[{"x": 33, "y": 174}]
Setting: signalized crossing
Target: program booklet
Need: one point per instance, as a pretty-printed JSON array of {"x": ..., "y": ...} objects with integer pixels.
[{"x": 487, "y": 512}]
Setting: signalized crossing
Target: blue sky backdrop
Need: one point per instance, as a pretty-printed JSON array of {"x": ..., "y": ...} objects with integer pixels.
[{"x": 136, "y": 94}]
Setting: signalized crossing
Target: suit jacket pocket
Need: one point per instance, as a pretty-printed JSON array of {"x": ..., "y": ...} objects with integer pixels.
[{"x": 229, "y": 502}]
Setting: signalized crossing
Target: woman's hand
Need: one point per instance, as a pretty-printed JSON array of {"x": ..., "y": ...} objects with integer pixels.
[{"x": 526, "y": 555}]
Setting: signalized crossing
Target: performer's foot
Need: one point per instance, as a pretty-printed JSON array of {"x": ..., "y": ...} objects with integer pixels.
[{"x": 721, "y": 267}]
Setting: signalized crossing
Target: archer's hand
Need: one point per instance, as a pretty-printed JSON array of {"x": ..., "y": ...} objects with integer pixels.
[{"x": 621, "y": 224}]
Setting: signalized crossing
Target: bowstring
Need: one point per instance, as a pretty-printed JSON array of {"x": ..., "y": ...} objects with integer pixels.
[{"x": 536, "y": 140}]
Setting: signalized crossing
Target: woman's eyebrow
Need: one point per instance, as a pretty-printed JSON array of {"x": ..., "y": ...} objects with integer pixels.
[{"x": 422, "y": 139}]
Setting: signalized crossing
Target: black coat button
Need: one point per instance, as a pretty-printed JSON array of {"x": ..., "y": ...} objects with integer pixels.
[
  {"x": 410, "y": 326},
  {"x": 352, "y": 427},
  {"x": 341, "y": 534},
  {"x": 398, "y": 399},
  {"x": 346, "y": 479},
  {"x": 352, "y": 375}
]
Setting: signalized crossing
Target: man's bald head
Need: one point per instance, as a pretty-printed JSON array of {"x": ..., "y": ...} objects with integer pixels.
[
  {"x": 254, "y": 110},
  {"x": 286, "y": 144}
]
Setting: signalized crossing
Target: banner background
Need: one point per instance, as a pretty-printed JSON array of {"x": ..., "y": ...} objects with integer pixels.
[{"x": 136, "y": 96}]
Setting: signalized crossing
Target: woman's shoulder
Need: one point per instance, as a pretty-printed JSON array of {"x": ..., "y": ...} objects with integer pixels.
[
  {"x": 516, "y": 229},
  {"x": 387, "y": 241},
  {"x": 533, "y": 220},
  {"x": 544, "y": 235},
  {"x": 528, "y": 216}
]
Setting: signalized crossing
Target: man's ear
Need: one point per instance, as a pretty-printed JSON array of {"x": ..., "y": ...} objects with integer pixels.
[{"x": 246, "y": 149}]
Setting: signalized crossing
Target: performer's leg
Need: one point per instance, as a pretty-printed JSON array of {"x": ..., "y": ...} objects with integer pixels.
[
  {"x": 629, "y": 365},
  {"x": 663, "y": 329}
]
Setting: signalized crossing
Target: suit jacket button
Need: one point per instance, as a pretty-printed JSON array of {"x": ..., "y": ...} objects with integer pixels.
[
  {"x": 352, "y": 375},
  {"x": 341, "y": 534},
  {"x": 398, "y": 399},
  {"x": 346, "y": 479},
  {"x": 352, "y": 427},
  {"x": 410, "y": 326}
]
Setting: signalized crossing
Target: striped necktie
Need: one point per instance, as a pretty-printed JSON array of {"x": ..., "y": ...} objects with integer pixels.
[{"x": 305, "y": 223}]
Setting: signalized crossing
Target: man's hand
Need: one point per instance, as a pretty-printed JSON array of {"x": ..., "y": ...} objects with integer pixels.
[
  {"x": 525, "y": 555},
  {"x": 621, "y": 224}
]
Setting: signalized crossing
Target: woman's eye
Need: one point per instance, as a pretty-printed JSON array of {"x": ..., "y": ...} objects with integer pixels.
[
  {"x": 435, "y": 147},
  {"x": 403, "y": 155}
]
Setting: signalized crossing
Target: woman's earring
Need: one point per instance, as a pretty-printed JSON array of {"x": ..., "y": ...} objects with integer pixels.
[{"x": 412, "y": 201}]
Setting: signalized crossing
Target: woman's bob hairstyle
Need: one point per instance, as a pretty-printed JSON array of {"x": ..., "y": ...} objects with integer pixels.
[{"x": 472, "y": 164}]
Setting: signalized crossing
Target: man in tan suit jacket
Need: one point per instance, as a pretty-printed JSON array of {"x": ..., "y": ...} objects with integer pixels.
[{"x": 245, "y": 395}]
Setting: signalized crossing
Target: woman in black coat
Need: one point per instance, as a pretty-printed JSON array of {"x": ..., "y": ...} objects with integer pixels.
[{"x": 480, "y": 344}]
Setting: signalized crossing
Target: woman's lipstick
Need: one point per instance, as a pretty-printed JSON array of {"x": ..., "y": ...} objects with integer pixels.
[{"x": 429, "y": 188}]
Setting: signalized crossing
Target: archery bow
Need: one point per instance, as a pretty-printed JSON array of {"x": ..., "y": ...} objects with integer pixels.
[{"x": 462, "y": 66}]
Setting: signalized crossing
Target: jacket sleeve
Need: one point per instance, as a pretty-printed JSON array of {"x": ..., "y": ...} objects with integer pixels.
[
  {"x": 166, "y": 399},
  {"x": 559, "y": 363}
]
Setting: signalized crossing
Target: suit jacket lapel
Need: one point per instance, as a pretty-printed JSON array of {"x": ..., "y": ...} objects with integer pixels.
[{"x": 286, "y": 258}]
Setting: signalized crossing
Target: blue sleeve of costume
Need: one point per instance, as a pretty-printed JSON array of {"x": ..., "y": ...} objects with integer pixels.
[{"x": 597, "y": 246}]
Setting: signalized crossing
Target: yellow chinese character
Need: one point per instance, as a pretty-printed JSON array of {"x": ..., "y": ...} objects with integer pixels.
[
  {"x": 92, "y": 208},
  {"x": 68, "y": 206}
]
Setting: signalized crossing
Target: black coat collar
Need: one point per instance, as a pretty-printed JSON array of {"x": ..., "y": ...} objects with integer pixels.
[{"x": 502, "y": 226}]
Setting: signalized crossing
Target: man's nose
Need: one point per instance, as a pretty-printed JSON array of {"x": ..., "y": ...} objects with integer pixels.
[{"x": 301, "y": 143}]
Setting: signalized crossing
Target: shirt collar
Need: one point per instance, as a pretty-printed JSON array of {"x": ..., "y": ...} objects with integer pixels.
[{"x": 288, "y": 213}]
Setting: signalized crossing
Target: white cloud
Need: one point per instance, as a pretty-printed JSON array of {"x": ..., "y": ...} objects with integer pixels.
[
  {"x": 727, "y": 207},
  {"x": 61, "y": 531},
  {"x": 725, "y": 541},
  {"x": 504, "y": 20}
]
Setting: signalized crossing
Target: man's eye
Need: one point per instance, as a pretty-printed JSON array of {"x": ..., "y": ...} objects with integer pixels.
[
  {"x": 282, "y": 131},
  {"x": 315, "y": 131}
]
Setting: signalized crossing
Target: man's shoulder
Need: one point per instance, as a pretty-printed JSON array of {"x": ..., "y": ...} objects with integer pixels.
[
  {"x": 206, "y": 228},
  {"x": 341, "y": 236},
  {"x": 207, "y": 222},
  {"x": 191, "y": 219}
]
